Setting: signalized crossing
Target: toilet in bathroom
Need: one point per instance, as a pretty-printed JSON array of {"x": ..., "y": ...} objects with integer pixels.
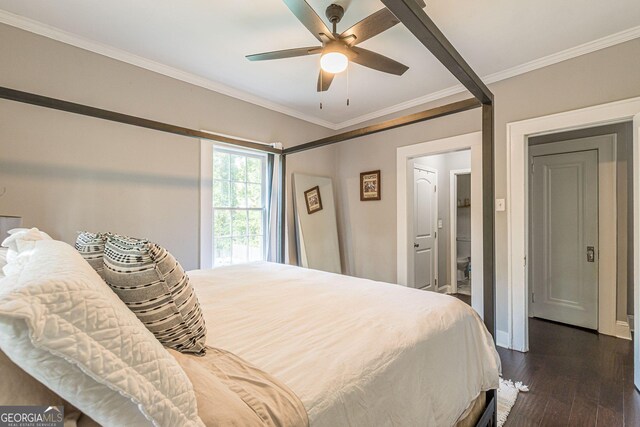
[{"x": 463, "y": 265}]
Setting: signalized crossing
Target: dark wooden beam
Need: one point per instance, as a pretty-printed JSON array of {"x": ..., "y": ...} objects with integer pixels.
[
  {"x": 423, "y": 28},
  {"x": 71, "y": 107},
  {"x": 488, "y": 218},
  {"x": 434, "y": 113}
]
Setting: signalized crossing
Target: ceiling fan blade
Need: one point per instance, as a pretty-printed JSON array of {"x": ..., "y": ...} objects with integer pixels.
[
  {"x": 309, "y": 18},
  {"x": 324, "y": 80},
  {"x": 371, "y": 26},
  {"x": 378, "y": 62},
  {"x": 287, "y": 53}
]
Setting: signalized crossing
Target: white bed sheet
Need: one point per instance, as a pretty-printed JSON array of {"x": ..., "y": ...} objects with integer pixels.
[{"x": 355, "y": 351}]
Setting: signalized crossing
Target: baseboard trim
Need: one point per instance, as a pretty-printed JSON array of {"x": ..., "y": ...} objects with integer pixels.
[
  {"x": 502, "y": 339},
  {"x": 622, "y": 330},
  {"x": 446, "y": 289}
]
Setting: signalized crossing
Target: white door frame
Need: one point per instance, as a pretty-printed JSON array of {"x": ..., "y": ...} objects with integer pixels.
[
  {"x": 410, "y": 212},
  {"x": 518, "y": 134},
  {"x": 636, "y": 247},
  {"x": 471, "y": 141},
  {"x": 453, "y": 225},
  {"x": 607, "y": 232}
]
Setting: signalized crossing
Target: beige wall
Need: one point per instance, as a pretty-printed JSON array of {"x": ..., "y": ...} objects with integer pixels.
[
  {"x": 64, "y": 172},
  {"x": 369, "y": 229}
]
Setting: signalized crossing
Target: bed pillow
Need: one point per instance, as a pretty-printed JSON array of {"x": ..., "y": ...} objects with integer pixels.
[
  {"x": 23, "y": 239},
  {"x": 91, "y": 247},
  {"x": 150, "y": 281},
  {"x": 18, "y": 247},
  {"x": 19, "y": 229},
  {"x": 62, "y": 325}
]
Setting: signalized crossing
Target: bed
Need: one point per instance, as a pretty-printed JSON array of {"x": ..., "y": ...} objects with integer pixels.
[
  {"x": 292, "y": 346},
  {"x": 356, "y": 352}
]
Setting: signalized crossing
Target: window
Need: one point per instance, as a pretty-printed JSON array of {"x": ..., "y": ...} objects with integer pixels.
[{"x": 239, "y": 206}]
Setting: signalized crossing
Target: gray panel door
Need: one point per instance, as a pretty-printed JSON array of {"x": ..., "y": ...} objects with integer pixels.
[{"x": 564, "y": 233}]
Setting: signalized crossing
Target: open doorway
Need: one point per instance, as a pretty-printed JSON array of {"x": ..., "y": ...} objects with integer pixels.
[
  {"x": 518, "y": 291},
  {"x": 425, "y": 175},
  {"x": 580, "y": 196},
  {"x": 460, "y": 236}
]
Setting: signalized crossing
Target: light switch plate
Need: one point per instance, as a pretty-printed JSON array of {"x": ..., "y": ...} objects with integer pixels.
[
  {"x": 500, "y": 205},
  {"x": 439, "y": 223}
]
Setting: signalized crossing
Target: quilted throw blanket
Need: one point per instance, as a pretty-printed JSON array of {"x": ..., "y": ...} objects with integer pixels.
[{"x": 231, "y": 392}]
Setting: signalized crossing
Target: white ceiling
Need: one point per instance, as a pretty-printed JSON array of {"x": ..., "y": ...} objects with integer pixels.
[{"x": 206, "y": 41}]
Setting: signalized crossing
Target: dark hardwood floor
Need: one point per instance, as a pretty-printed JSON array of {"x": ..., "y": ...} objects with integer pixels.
[
  {"x": 463, "y": 297},
  {"x": 576, "y": 378}
]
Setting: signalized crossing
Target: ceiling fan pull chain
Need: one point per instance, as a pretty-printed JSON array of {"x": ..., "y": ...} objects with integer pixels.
[
  {"x": 321, "y": 86},
  {"x": 348, "y": 67}
]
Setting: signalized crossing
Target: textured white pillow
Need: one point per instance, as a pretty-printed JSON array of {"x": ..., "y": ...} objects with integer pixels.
[
  {"x": 18, "y": 246},
  {"x": 17, "y": 230},
  {"x": 62, "y": 324},
  {"x": 23, "y": 239}
]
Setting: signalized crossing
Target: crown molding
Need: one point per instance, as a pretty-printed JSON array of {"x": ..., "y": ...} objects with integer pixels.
[
  {"x": 141, "y": 62},
  {"x": 127, "y": 57},
  {"x": 536, "y": 64}
]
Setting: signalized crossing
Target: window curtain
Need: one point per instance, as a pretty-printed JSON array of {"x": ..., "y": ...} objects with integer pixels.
[{"x": 273, "y": 193}]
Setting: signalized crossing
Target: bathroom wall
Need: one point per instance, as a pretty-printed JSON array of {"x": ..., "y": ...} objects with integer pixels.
[{"x": 463, "y": 212}]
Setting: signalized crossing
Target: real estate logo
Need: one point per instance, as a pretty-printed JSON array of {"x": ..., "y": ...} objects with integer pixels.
[{"x": 31, "y": 416}]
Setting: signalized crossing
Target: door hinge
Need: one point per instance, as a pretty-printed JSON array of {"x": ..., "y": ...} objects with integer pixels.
[
  {"x": 533, "y": 167},
  {"x": 435, "y": 234},
  {"x": 436, "y": 282},
  {"x": 533, "y": 297},
  {"x": 525, "y": 260},
  {"x": 435, "y": 188}
]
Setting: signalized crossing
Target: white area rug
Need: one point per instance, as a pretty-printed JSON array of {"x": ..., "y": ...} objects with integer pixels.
[{"x": 507, "y": 395}]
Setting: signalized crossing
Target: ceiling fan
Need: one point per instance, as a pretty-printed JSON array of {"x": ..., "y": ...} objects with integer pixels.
[{"x": 338, "y": 49}]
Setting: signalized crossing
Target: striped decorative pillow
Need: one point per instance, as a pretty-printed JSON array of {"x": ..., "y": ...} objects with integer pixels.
[
  {"x": 150, "y": 281},
  {"x": 91, "y": 247}
]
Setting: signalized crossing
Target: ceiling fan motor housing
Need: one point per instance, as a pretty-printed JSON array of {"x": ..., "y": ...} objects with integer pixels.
[{"x": 334, "y": 13}]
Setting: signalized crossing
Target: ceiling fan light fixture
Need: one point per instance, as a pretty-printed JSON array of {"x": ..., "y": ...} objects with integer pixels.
[{"x": 334, "y": 62}]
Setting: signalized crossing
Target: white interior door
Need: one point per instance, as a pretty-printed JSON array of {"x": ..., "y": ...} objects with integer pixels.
[
  {"x": 564, "y": 238},
  {"x": 425, "y": 221}
]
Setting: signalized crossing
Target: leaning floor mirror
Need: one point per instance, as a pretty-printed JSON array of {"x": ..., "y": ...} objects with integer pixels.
[{"x": 316, "y": 224}]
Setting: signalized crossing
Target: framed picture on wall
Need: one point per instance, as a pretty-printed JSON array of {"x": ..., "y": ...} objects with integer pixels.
[
  {"x": 313, "y": 200},
  {"x": 370, "y": 186}
]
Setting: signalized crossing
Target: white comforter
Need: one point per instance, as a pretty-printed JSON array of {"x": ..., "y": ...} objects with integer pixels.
[{"x": 355, "y": 351}]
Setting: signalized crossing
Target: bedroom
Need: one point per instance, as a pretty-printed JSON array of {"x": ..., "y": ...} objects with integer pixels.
[{"x": 65, "y": 172}]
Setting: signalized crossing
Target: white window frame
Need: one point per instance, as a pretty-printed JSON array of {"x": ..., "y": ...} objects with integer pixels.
[{"x": 207, "y": 149}]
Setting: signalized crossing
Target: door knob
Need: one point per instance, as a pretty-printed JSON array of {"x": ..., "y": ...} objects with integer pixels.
[{"x": 416, "y": 245}]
